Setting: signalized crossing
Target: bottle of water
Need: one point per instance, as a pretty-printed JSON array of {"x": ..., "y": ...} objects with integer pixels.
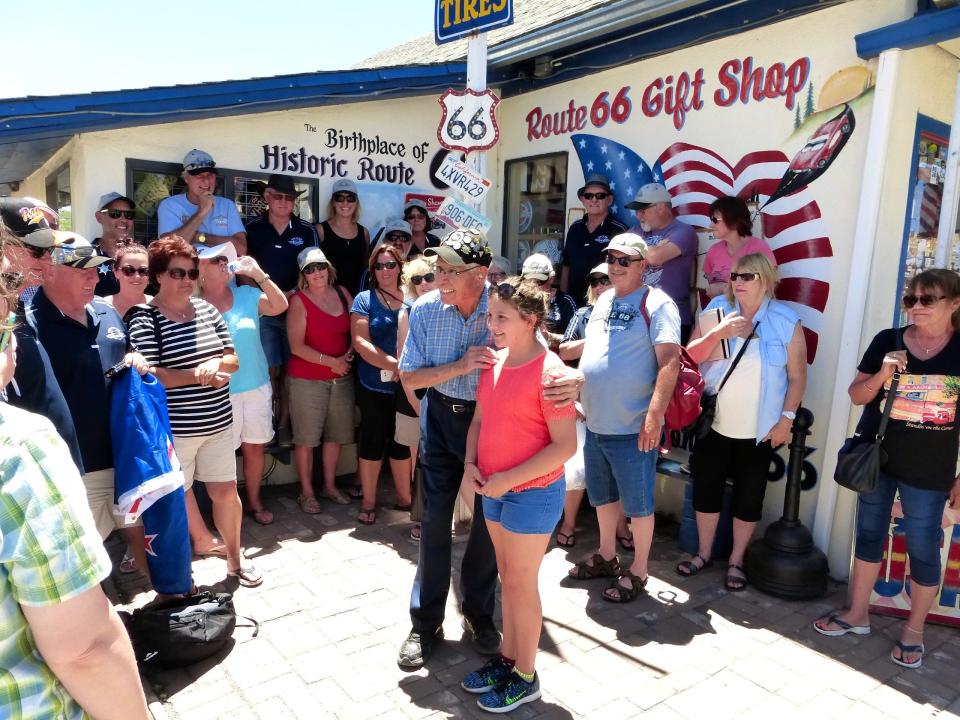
[{"x": 232, "y": 266}]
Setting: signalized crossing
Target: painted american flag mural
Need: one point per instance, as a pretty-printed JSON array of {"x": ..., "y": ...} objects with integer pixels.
[{"x": 695, "y": 176}]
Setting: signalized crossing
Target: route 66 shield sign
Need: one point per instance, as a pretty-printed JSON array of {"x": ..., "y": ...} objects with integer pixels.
[{"x": 468, "y": 123}]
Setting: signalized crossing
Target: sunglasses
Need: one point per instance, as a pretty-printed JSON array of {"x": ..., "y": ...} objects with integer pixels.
[
  {"x": 36, "y": 252},
  {"x": 926, "y": 300},
  {"x": 117, "y": 214},
  {"x": 8, "y": 332},
  {"x": 12, "y": 281},
  {"x": 746, "y": 277},
  {"x": 415, "y": 216},
  {"x": 221, "y": 260},
  {"x": 598, "y": 280},
  {"x": 130, "y": 271},
  {"x": 595, "y": 196},
  {"x": 396, "y": 237},
  {"x": 622, "y": 261},
  {"x": 417, "y": 279},
  {"x": 505, "y": 291},
  {"x": 315, "y": 267},
  {"x": 284, "y": 197},
  {"x": 345, "y": 198},
  {"x": 180, "y": 273},
  {"x": 388, "y": 265}
]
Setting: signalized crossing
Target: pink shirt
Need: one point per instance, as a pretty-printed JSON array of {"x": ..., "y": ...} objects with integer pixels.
[
  {"x": 719, "y": 262},
  {"x": 513, "y": 427}
]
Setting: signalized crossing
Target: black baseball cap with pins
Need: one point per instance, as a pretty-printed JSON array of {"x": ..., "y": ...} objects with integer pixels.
[{"x": 25, "y": 219}]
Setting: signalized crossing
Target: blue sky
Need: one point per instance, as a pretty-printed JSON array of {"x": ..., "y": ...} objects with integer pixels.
[{"x": 106, "y": 44}]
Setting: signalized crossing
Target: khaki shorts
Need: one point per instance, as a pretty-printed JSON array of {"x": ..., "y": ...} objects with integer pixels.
[
  {"x": 322, "y": 410},
  {"x": 207, "y": 458},
  {"x": 407, "y": 430},
  {"x": 253, "y": 416},
  {"x": 99, "y": 487}
]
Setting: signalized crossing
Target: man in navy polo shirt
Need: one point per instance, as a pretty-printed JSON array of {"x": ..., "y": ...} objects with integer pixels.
[
  {"x": 115, "y": 215},
  {"x": 588, "y": 237},
  {"x": 84, "y": 337},
  {"x": 274, "y": 239}
]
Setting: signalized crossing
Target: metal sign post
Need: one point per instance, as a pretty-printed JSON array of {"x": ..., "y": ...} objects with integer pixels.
[{"x": 477, "y": 80}]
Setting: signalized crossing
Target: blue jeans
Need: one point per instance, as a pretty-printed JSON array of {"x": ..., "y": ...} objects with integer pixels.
[
  {"x": 922, "y": 514},
  {"x": 534, "y": 511},
  {"x": 442, "y": 446},
  {"x": 617, "y": 469},
  {"x": 273, "y": 337}
]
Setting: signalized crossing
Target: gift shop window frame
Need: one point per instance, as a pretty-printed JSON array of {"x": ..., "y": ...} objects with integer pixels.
[
  {"x": 540, "y": 181},
  {"x": 927, "y": 130},
  {"x": 235, "y": 185}
]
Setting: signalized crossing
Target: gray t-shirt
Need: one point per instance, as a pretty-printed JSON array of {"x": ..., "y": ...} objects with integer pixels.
[
  {"x": 675, "y": 276},
  {"x": 619, "y": 363}
]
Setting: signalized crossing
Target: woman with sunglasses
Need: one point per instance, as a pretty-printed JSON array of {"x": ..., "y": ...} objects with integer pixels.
[
  {"x": 731, "y": 226},
  {"x": 320, "y": 380},
  {"x": 132, "y": 273},
  {"x": 251, "y": 393},
  {"x": 189, "y": 348},
  {"x": 419, "y": 277},
  {"x": 342, "y": 238},
  {"x": 757, "y": 400},
  {"x": 415, "y": 213},
  {"x": 373, "y": 324},
  {"x": 520, "y": 482},
  {"x": 921, "y": 443}
]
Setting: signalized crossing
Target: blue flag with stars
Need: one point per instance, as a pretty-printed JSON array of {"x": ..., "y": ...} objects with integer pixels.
[{"x": 626, "y": 171}]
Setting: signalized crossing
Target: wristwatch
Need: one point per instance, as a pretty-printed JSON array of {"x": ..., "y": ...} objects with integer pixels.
[{"x": 789, "y": 415}]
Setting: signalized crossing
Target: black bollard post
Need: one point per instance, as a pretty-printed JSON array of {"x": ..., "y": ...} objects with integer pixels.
[{"x": 785, "y": 561}]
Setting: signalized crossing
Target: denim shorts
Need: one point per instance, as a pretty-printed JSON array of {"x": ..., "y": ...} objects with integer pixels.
[
  {"x": 273, "y": 337},
  {"x": 618, "y": 470},
  {"x": 535, "y": 511},
  {"x": 922, "y": 515}
]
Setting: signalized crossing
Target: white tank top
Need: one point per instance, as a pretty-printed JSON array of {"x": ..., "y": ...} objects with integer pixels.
[{"x": 738, "y": 405}]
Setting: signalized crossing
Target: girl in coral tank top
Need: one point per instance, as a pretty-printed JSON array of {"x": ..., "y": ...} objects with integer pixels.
[{"x": 516, "y": 447}]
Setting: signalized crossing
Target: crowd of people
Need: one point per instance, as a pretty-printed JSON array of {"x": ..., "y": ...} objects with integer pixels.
[{"x": 278, "y": 330}]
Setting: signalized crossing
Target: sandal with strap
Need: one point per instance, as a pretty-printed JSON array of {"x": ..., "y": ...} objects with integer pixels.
[
  {"x": 908, "y": 649},
  {"x": 262, "y": 516},
  {"x": 844, "y": 627},
  {"x": 689, "y": 568},
  {"x": 735, "y": 583},
  {"x": 617, "y": 593},
  {"x": 367, "y": 516},
  {"x": 310, "y": 505},
  {"x": 596, "y": 567},
  {"x": 566, "y": 540}
]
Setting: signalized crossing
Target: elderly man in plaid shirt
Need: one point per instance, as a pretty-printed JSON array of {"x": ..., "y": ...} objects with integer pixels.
[{"x": 447, "y": 347}]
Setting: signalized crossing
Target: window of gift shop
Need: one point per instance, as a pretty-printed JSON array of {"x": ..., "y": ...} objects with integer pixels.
[
  {"x": 58, "y": 195},
  {"x": 150, "y": 182},
  {"x": 534, "y": 218}
]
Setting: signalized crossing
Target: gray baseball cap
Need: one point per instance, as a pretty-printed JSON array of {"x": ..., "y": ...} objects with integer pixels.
[{"x": 650, "y": 194}]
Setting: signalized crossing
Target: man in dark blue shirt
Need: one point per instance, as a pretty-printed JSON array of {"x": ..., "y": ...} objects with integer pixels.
[
  {"x": 588, "y": 237},
  {"x": 115, "y": 216},
  {"x": 84, "y": 337},
  {"x": 274, "y": 239}
]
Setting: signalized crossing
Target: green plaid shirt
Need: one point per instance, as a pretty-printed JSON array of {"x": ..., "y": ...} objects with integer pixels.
[{"x": 50, "y": 551}]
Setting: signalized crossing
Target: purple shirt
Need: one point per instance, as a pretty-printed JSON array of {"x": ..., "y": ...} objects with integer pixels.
[{"x": 675, "y": 277}]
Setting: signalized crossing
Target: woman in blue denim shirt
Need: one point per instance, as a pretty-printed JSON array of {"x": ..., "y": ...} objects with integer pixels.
[{"x": 755, "y": 409}]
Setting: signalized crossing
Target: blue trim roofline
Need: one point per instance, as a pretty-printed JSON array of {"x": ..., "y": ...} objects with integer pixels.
[
  {"x": 63, "y": 115},
  {"x": 927, "y": 28}
]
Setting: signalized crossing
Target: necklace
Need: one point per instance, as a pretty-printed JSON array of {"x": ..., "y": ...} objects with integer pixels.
[
  {"x": 172, "y": 311},
  {"x": 384, "y": 294},
  {"x": 936, "y": 346}
]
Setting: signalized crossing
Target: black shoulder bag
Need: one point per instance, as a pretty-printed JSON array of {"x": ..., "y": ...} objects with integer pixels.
[
  {"x": 708, "y": 403},
  {"x": 860, "y": 459}
]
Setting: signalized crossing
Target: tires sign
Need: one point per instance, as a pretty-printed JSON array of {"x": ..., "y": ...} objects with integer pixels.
[{"x": 468, "y": 123}]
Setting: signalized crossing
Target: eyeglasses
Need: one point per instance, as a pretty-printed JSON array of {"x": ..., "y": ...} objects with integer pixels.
[
  {"x": 114, "y": 214},
  {"x": 622, "y": 260},
  {"x": 66, "y": 254},
  {"x": 417, "y": 279},
  {"x": 315, "y": 267},
  {"x": 345, "y": 198},
  {"x": 282, "y": 197},
  {"x": 180, "y": 273},
  {"x": 388, "y": 265},
  {"x": 598, "y": 280},
  {"x": 8, "y": 331},
  {"x": 12, "y": 281},
  {"x": 130, "y": 271},
  {"x": 926, "y": 300},
  {"x": 443, "y": 272},
  {"x": 37, "y": 253},
  {"x": 396, "y": 237},
  {"x": 595, "y": 196},
  {"x": 715, "y": 220},
  {"x": 746, "y": 277}
]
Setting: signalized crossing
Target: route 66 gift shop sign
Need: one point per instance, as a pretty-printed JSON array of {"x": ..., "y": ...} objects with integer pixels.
[{"x": 468, "y": 122}]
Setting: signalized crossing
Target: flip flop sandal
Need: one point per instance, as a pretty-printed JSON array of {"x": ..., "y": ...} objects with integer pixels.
[
  {"x": 625, "y": 594},
  {"x": 596, "y": 567},
  {"x": 735, "y": 583},
  {"x": 567, "y": 540},
  {"x": 905, "y": 649},
  {"x": 625, "y": 542},
  {"x": 688, "y": 568},
  {"x": 310, "y": 505},
  {"x": 218, "y": 551},
  {"x": 335, "y": 497},
  {"x": 262, "y": 516},
  {"x": 367, "y": 517},
  {"x": 247, "y": 576},
  {"x": 843, "y": 625},
  {"x": 355, "y": 492}
]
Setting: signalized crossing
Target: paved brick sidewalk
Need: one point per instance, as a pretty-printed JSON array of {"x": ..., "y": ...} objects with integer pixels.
[{"x": 333, "y": 612}]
